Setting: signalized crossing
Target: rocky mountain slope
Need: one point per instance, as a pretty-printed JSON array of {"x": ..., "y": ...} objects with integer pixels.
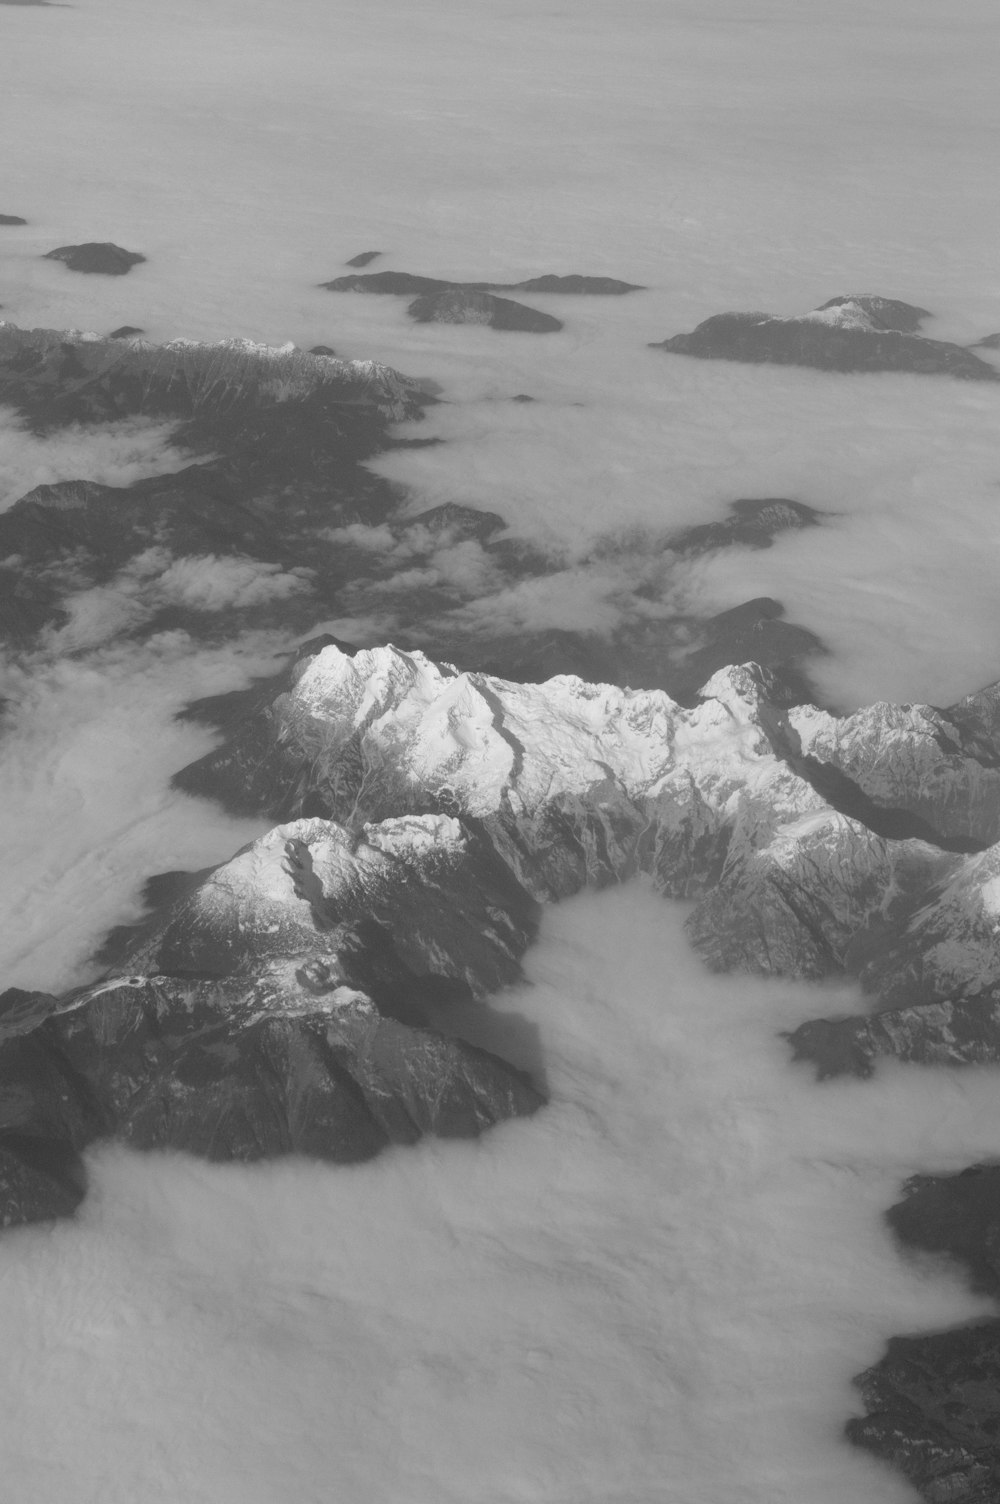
[
  {"x": 815, "y": 844},
  {"x": 425, "y": 814},
  {"x": 311, "y": 994},
  {"x": 276, "y": 1008},
  {"x": 278, "y": 441},
  {"x": 859, "y": 332}
]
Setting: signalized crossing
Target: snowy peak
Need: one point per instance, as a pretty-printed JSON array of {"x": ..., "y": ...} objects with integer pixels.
[
  {"x": 813, "y": 842},
  {"x": 859, "y": 332},
  {"x": 184, "y": 378},
  {"x": 383, "y": 907}
]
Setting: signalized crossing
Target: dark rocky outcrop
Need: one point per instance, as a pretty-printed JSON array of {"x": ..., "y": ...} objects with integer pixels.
[
  {"x": 273, "y": 420},
  {"x": 955, "y": 1031},
  {"x": 457, "y": 306},
  {"x": 51, "y": 379},
  {"x": 96, "y": 256},
  {"x": 274, "y": 1005},
  {"x": 957, "y": 1215},
  {"x": 39, "y": 1180},
  {"x": 12, "y": 219},
  {"x": 398, "y": 908},
  {"x": 933, "y": 1406},
  {"x": 233, "y": 1070},
  {"x": 856, "y": 333},
  {"x": 399, "y": 283},
  {"x": 283, "y": 424},
  {"x": 933, "y": 1401},
  {"x": 126, "y": 331},
  {"x": 883, "y": 313},
  {"x": 575, "y": 285},
  {"x": 458, "y": 522},
  {"x": 822, "y": 879},
  {"x": 322, "y": 350},
  {"x": 408, "y": 282},
  {"x": 751, "y": 523},
  {"x": 363, "y": 258}
]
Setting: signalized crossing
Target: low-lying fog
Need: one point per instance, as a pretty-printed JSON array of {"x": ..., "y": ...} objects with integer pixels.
[
  {"x": 654, "y": 1292},
  {"x": 87, "y": 747}
]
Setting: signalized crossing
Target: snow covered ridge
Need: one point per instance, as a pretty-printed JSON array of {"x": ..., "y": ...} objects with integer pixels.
[
  {"x": 858, "y": 332},
  {"x": 287, "y": 1000},
  {"x": 280, "y": 1007},
  {"x": 182, "y": 377},
  {"x": 815, "y": 845}
]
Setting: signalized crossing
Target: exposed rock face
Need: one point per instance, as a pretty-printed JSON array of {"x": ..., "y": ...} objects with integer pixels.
[
  {"x": 96, "y": 256},
  {"x": 752, "y": 523},
  {"x": 881, "y": 313},
  {"x": 236, "y": 1026},
  {"x": 126, "y": 331},
  {"x": 957, "y": 1031},
  {"x": 958, "y": 1215},
  {"x": 427, "y": 812},
  {"x": 287, "y": 494},
  {"x": 932, "y": 1401},
  {"x": 53, "y": 377},
  {"x": 933, "y": 1412},
  {"x": 363, "y": 258},
  {"x": 12, "y": 219},
  {"x": 408, "y": 282},
  {"x": 800, "y": 870},
  {"x": 38, "y": 1181},
  {"x": 238, "y": 1068},
  {"x": 573, "y": 782},
  {"x": 388, "y": 906},
  {"x": 861, "y": 332},
  {"x": 457, "y": 306}
]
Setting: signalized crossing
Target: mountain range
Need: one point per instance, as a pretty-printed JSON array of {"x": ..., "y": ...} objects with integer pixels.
[{"x": 431, "y": 791}]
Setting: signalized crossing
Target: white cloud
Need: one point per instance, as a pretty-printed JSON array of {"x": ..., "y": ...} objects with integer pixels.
[
  {"x": 658, "y": 1289},
  {"x": 839, "y": 162},
  {"x": 211, "y": 582},
  {"x": 655, "y": 1290},
  {"x": 113, "y": 454},
  {"x": 88, "y": 749},
  {"x": 153, "y": 579},
  {"x": 376, "y": 540},
  {"x": 574, "y": 600}
]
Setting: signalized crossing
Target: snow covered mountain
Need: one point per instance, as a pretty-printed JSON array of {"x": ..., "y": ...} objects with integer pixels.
[
  {"x": 311, "y": 994},
  {"x": 57, "y": 375},
  {"x": 857, "y": 332},
  {"x": 815, "y": 845},
  {"x": 426, "y": 813}
]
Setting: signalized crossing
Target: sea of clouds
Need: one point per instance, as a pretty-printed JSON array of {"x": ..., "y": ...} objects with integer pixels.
[{"x": 656, "y": 1291}]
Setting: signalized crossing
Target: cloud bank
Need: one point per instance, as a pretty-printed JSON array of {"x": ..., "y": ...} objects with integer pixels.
[{"x": 656, "y": 1290}]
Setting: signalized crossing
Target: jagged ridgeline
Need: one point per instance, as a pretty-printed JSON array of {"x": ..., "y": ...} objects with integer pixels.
[
  {"x": 308, "y": 996},
  {"x": 426, "y": 813}
]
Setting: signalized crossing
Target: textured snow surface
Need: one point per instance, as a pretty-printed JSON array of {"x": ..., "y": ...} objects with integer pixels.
[{"x": 481, "y": 736}]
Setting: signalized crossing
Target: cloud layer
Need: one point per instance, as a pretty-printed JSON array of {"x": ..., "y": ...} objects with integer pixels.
[{"x": 657, "y": 1289}]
